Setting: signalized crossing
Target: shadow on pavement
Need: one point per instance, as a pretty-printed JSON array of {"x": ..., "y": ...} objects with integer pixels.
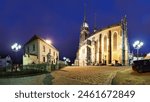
[
  {"x": 48, "y": 79},
  {"x": 140, "y": 74}
]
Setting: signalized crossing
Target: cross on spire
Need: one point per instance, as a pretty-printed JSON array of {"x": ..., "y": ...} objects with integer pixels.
[
  {"x": 95, "y": 23},
  {"x": 84, "y": 12}
]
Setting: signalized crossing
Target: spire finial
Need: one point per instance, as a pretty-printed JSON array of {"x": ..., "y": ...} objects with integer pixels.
[
  {"x": 94, "y": 22},
  {"x": 84, "y": 12}
]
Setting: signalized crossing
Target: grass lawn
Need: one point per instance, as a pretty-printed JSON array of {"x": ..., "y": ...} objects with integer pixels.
[
  {"x": 130, "y": 77},
  {"x": 23, "y": 73}
]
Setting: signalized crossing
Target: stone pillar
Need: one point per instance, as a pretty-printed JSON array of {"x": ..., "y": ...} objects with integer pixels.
[
  {"x": 124, "y": 33},
  {"x": 109, "y": 48},
  {"x": 100, "y": 48}
]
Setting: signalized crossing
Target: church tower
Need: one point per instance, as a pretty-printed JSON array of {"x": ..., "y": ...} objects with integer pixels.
[{"x": 84, "y": 34}]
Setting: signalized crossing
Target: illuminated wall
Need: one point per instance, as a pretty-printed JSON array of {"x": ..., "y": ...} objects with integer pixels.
[
  {"x": 36, "y": 50},
  {"x": 105, "y": 46}
]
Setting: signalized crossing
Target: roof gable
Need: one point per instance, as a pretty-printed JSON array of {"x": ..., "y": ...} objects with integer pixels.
[{"x": 36, "y": 37}]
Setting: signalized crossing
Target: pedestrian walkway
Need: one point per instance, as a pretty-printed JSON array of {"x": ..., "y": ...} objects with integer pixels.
[{"x": 93, "y": 75}]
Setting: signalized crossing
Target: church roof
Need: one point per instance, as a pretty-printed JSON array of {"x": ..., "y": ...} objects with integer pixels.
[{"x": 110, "y": 26}]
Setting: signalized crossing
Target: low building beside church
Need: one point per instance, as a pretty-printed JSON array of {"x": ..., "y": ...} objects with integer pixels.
[
  {"x": 36, "y": 51},
  {"x": 4, "y": 62}
]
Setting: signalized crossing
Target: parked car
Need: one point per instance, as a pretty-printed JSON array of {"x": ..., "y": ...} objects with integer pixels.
[{"x": 141, "y": 65}]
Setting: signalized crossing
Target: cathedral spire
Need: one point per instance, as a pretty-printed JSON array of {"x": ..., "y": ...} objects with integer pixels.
[
  {"x": 85, "y": 24},
  {"x": 84, "y": 34}
]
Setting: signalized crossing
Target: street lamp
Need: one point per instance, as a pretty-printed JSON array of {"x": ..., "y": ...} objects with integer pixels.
[
  {"x": 64, "y": 58},
  {"x": 16, "y": 47},
  {"x": 48, "y": 41},
  {"x": 137, "y": 45},
  {"x": 67, "y": 60}
]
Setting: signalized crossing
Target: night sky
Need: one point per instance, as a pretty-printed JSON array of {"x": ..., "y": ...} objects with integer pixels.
[{"x": 60, "y": 21}]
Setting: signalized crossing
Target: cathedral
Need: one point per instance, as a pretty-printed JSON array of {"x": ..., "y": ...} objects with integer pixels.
[{"x": 107, "y": 46}]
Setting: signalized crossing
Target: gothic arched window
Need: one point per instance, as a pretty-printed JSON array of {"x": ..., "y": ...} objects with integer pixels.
[
  {"x": 105, "y": 43},
  {"x": 115, "y": 41}
]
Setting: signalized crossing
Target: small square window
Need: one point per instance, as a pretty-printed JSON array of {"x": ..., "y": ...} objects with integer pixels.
[
  {"x": 43, "y": 48},
  {"x": 33, "y": 47},
  {"x": 50, "y": 51},
  {"x": 28, "y": 49}
]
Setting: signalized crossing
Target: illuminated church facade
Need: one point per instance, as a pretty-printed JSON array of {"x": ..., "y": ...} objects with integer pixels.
[{"x": 105, "y": 46}]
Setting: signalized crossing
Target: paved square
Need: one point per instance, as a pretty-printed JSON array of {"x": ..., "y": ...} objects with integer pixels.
[{"x": 85, "y": 75}]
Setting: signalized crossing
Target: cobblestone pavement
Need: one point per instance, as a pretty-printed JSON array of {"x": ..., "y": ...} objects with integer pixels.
[{"x": 102, "y": 75}]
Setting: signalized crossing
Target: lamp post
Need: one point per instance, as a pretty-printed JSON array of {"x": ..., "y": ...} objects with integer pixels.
[
  {"x": 137, "y": 45},
  {"x": 15, "y": 47}
]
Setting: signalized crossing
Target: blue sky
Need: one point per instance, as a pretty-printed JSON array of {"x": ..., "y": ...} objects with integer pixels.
[{"x": 60, "y": 20}]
